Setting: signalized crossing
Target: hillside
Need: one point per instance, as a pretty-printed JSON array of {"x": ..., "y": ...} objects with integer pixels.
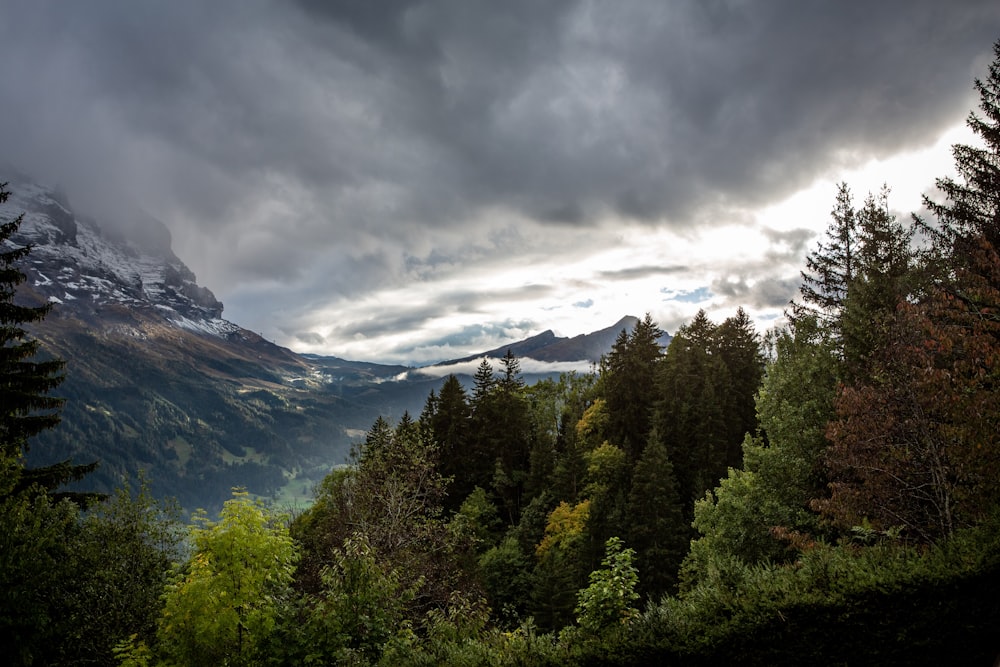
[{"x": 158, "y": 380}]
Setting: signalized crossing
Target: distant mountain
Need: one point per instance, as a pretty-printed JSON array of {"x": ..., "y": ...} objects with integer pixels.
[
  {"x": 546, "y": 346},
  {"x": 158, "y": 380}
]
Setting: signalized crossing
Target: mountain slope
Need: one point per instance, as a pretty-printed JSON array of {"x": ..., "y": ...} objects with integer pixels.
[{"x": 157, "y": 379}]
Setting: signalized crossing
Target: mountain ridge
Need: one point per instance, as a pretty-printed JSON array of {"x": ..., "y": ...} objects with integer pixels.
[{"x": 158, "y": 380}]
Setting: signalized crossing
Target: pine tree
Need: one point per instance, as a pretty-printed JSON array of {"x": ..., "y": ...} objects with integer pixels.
[
  {"x": 915, "y": 444},
  {"x": 831, "y": 267},
  {"x": 883, "y": 279},
  {"x": 739, "y": 347},
  {"x": 448, "y": 424},
  {"x": 971, "y": 209},
  {"x": 628, "y": 375},
  {"x": 689, "y": 415},
  {"x": 656, "y": 527},
  {"x": 26, "y": 409}
]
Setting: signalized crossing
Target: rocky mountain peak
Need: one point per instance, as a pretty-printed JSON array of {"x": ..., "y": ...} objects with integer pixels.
[{"x": 86, "y": 265}]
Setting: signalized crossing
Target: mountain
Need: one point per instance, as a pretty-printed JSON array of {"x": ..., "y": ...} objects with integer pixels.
[
  {"x": 548, "y": 347},
  {"x": 158, "y": 380}
]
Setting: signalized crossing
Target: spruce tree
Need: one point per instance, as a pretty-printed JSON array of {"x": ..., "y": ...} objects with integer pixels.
[
  {"x": 26, "y": 408},
  {"x": 971, "y": 209},
  {"x": 831, "y": 267},
  {"x": 656, "y": 527},
  {"x": 628, "y": 376}
]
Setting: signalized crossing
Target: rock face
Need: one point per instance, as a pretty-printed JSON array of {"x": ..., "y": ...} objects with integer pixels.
[{"x": 75, "y": 263}]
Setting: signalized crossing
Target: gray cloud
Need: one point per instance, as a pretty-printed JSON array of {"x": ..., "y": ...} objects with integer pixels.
[
  {"x": 324, "y": 150},
  {"x": 767, "y": 292},
  {"x": 634, "y": 272}
]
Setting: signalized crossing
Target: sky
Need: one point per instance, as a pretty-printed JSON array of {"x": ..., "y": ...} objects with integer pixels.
[{"x": 410, "y": 181}]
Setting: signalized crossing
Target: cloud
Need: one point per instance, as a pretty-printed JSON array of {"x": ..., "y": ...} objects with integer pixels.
[
  {"x": 758, "y": 292},
  {"x": 528, "y": 366},
  {"x": 584, "y": 304},
  {"x": 310, "y": 155}
]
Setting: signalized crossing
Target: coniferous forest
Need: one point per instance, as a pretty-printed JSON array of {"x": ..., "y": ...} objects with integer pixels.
[{"x": 823, "y": 493}]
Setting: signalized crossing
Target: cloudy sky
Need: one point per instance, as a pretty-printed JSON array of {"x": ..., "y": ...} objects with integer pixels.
[{"x": 411, "y": 181}]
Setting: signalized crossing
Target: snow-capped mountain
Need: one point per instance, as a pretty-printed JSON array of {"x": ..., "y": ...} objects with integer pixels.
[
  {"x": 156, "y": 379},
  {"x": 76, "y": 263}
]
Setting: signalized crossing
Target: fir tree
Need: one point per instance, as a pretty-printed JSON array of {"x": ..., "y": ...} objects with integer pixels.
[
  {"x": 831, "y": 267},
  {"x": 26, "y": 409}
]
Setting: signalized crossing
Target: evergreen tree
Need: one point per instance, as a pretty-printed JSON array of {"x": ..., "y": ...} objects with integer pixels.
[
  {"x": 915, "y": 445},
  {"x": 25, "y": 406},
  {"x": 689, "y": 415},
  {"x": 754, "y": 513},
  {"x": 970, "y": 213},
  {"x": 882, "y": 280},
  {"x": 628, "y": 377},
  {"x": 447, "y": 421},
  {"x": 656, "y": 528},
  {"x": 739, "y": 347},
  {"x": 830, "y": 269}
]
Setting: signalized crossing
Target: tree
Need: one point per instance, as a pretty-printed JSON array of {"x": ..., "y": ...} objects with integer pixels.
[
  {"x": 970, "y": 212},
  {"x": 884, "y": 278},
  {"x": 656, "y": 527},
  {"x": 750, "y": 516},
  {"x": 628, "y": 379},
  {"x": 25, "y": 406},
  {"x": 391, "y": 499},
  {"x": 830, "y": 268},
  {"x": 448, "y": 426},
  {"x": 560, "y": 569},
  {"x": 224, "y": 605},
  {"x": 740, "y": 349},
  {"x": 361, "y": 607},
  {"x": 914, "y": 445},
  {"x": 607, "y": 602},
  {"x": 689, "y": 415}
]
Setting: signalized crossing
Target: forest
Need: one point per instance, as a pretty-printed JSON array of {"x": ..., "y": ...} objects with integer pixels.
[{"x": 823, "y": 493}]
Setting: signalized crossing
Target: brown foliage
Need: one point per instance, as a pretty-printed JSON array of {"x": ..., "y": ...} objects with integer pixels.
[{"x": 915, "y": 445}]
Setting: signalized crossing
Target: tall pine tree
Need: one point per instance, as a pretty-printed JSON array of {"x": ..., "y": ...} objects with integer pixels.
[{"x": 26, "y": 408}]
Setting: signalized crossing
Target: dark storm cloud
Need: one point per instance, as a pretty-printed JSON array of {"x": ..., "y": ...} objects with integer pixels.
[
  {"x": 636, "y": 272},
  {"x": 340, "y": 146}
]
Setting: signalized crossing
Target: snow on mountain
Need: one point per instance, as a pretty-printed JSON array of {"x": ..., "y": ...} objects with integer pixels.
[{"x": 77, "y": 263}]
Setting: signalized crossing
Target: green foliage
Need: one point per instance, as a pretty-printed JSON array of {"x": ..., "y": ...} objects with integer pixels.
[
  {"x": 689, "y": 415},
  {"x": 607, "y": 602},
  {"x": 361, "y": 608},
  {"x": 831, "y": 267},
  {"x": 883, "y": 604},
  {"x": 560, "y": 570},
  {"x": 506, "y": 573},
  {"x": 655, "y": 525},
  {"x": 224, "y": 604},
  {"x": 73, "y": 585},
  {"x": 748, "y": 516},
  {"x": 478, "y": 518},
  {"x": 628, "y": 377},
  {"x": 36, "y": 547}
]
